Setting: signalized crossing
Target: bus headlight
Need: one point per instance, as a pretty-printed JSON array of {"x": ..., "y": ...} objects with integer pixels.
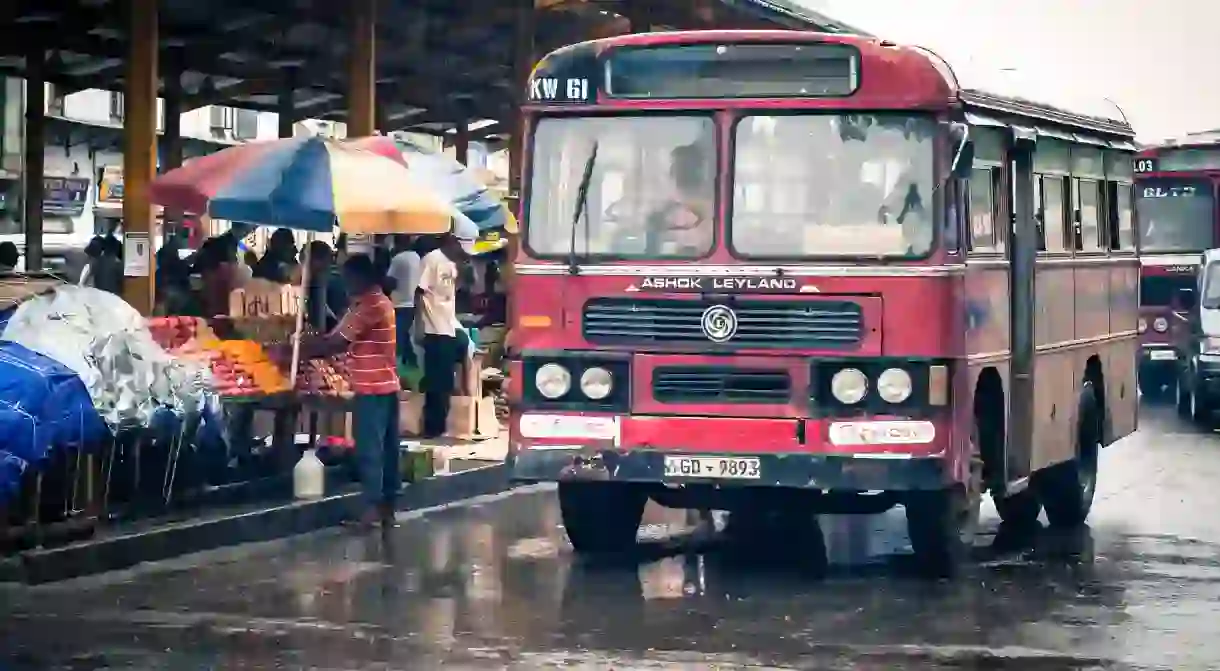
[
  {"x": 894, "y": 385},
  {"x": 849, "y": 386},
  {"x": 596, "y": 383},
  {"x": 1160, "y": 325},
  {"x": 553, "y": 380},
  {"x": 1141, "y": 325}
]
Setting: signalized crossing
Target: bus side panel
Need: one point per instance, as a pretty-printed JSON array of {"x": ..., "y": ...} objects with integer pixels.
[
  {"x": 1055, "y": 372},
  {"x": 988, "y": 312},
  {"x": 1092, "y": 302},
  {"x": 1121, "y": 364},
  {"x": 988, "y": 341}
]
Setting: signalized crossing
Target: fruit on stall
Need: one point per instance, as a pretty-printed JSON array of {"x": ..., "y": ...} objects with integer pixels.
[
  {"x": 174, "y": 332},
  {"x": 239, "y": 367},
  {"x": 324, "y": 377}
]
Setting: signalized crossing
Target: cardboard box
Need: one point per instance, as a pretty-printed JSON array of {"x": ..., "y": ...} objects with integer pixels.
[{"x": 470, "y": 417}]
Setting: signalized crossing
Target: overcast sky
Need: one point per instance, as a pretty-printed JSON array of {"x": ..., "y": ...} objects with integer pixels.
[{"x": 1152, "y": 58}]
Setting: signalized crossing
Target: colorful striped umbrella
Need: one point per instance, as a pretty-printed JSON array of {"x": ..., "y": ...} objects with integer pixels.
[
  {"x": 308, "y": 184},
  {"x": 462, "y": 185}
]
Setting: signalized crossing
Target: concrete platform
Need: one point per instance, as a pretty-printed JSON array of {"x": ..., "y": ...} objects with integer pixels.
[{"x": 122, "y": 547}]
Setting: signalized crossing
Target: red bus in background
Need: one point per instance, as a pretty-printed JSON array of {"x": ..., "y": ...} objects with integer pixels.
[
  {"x": 1175, "y": 204},
  {"x": 789, "y": 273}
]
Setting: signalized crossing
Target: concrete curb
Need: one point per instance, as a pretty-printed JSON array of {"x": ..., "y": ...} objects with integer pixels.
[{"x": 120, "y": 551}]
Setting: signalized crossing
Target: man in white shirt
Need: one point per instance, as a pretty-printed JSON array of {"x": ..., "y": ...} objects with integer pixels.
[
  {"x": 404, "y": 272},
  {"x": 437, "y": 302}
]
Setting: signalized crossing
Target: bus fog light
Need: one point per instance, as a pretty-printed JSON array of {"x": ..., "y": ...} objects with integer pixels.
[
  {"x": 894, "y": 385},
  {"x": 1160, "y": 325},
  {"x": 553, "y": 381},
  {"x": 596, "y": 383},
  {"x": 849, "y": 386}
]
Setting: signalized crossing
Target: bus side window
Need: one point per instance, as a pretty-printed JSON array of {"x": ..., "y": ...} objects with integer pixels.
[
  {"x": 1039, "y": 215},
  {"x": 1000, "y": 220},
  {"x": 1052, "y": 211},
  {"x": 955, "y": 216},
  {"x": 981, "y": 212},
  {"x": 1090, "y": 231},
  {"x": 1118, "y": 216}
]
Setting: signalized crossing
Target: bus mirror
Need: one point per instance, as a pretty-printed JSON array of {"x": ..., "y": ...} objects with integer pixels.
[{"x": 963, "y": 153}]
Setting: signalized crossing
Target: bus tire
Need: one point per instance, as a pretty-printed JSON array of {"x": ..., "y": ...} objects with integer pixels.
[
  {"x": 1182, "y": 398},
  {"x": 942, "y": 524},
  {"x": 1019, "y": 510},
  {"x": 601, "y": 517},
  {"x": 1067, "y": 490}
]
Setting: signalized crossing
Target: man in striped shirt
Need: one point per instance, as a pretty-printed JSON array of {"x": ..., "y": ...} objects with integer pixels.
[{"x": 367, "y": 333}]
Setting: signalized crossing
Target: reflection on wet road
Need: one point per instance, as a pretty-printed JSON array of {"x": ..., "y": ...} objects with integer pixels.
[{"x": 493, "y": 585}]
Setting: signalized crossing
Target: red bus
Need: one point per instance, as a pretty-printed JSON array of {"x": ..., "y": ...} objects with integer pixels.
[
  {"x": 789, "y": 273},
  {"x": 1175, "y": 205}
]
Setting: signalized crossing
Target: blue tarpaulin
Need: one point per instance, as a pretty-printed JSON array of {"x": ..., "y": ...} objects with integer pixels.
[{"x": 43, "y": 406}]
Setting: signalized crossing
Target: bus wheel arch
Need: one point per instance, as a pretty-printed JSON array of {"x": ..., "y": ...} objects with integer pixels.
[
  {"x": 1020, "y": 510},
  {"x": 989, "y": 416},
  {"x": 1067, "y": 489}
]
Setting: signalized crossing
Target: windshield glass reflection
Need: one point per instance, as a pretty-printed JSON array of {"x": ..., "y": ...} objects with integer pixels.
[{"x": 833, "y": 185}]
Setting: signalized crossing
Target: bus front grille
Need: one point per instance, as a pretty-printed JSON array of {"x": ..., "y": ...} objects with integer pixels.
[{"x": 769, "y": 324}]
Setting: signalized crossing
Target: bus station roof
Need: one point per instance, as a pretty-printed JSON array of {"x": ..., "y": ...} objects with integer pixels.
[{"x": 439, "y": 62}]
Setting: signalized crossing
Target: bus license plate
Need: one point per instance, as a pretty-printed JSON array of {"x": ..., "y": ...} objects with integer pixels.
[
  {"x": 734, "y": 468},
  {"x": 1164, "y": 355}
]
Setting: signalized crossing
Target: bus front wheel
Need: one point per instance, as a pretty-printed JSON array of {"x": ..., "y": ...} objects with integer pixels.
[
  {"x": 601, "y": 517},
  {"x": 942, "y": 524}
]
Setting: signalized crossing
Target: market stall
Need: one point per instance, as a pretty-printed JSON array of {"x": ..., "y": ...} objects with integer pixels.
[{"x": 286, "y": 405}]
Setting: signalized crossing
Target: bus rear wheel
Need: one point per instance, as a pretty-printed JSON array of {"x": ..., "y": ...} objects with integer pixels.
[
  {"x": 601, "y": 517},
  {"x": 1067, "y": 489}
]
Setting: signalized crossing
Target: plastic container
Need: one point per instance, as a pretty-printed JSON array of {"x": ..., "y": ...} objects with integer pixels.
[{"x": 309, "y": 476}]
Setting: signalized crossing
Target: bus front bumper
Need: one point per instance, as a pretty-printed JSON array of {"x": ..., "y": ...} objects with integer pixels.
[{"x": 882, "y": 455}]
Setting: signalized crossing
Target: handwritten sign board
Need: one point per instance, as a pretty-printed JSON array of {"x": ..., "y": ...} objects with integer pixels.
[{"x": 260, "y": 298}]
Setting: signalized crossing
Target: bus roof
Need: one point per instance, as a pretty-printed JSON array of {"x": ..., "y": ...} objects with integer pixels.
[
  {"x": 1004, "y": 94},
  {"x": 1197, "y": 139}
]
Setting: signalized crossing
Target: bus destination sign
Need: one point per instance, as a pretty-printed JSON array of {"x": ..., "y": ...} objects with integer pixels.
[
  {"x": 547, "y": 90},
  {"x": 722, "y": 284},
  {"x": 1143, "y": 166},
  {"x": 566, "y": 77}
]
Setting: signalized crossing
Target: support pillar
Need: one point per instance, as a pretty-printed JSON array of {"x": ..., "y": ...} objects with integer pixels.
[
  {"x": 362, "y": 78},
  {"x": 172, "y": 139},
  {"x": 523, "y": 64},
  {"x": 639, "y": 16},
  {"x": 35, "y": 158},
  {"x": 461, "y": 142},
  {"x": 286, "y": 106},
  {"x": 140, "y": 146}
]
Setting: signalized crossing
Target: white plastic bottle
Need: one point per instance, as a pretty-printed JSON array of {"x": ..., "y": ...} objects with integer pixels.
[{"x": 309, "y": 476}]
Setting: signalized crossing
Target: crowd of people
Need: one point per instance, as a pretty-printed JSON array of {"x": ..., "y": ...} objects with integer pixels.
[{"x": 392, "y": 308}]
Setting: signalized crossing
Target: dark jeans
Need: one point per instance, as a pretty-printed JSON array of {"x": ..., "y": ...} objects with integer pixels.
[
  {"x": 375, "y": 429},
  {"x": 441, "y": 356},
  {"x": 404, "y": 322}
]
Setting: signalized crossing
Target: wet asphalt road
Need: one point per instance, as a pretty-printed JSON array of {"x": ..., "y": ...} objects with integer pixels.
[{"x": 493, "y": 585}]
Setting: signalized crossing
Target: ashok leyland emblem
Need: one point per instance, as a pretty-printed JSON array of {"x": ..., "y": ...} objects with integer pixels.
[{"x": 719, "y": 323}]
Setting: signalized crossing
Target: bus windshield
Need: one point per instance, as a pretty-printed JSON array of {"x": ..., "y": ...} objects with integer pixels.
[
  {"x": 1175, "y": 215},
  {"x": 833, "y": 185},
  {"x": 651, "y": 190}
]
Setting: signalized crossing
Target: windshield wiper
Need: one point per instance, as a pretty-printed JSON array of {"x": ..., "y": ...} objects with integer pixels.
[{"x": 582, "y": 197}]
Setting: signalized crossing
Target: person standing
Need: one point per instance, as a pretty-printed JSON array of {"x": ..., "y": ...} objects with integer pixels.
[
  {"x": 106, "y": 271},
  {"x": 326, "y": 300},
  {"x": 366, "y": 332},
  {"x": 10, "y": 256},
  {"x": 403, "y": 276},
  {"x": 436, "y": 298}
]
